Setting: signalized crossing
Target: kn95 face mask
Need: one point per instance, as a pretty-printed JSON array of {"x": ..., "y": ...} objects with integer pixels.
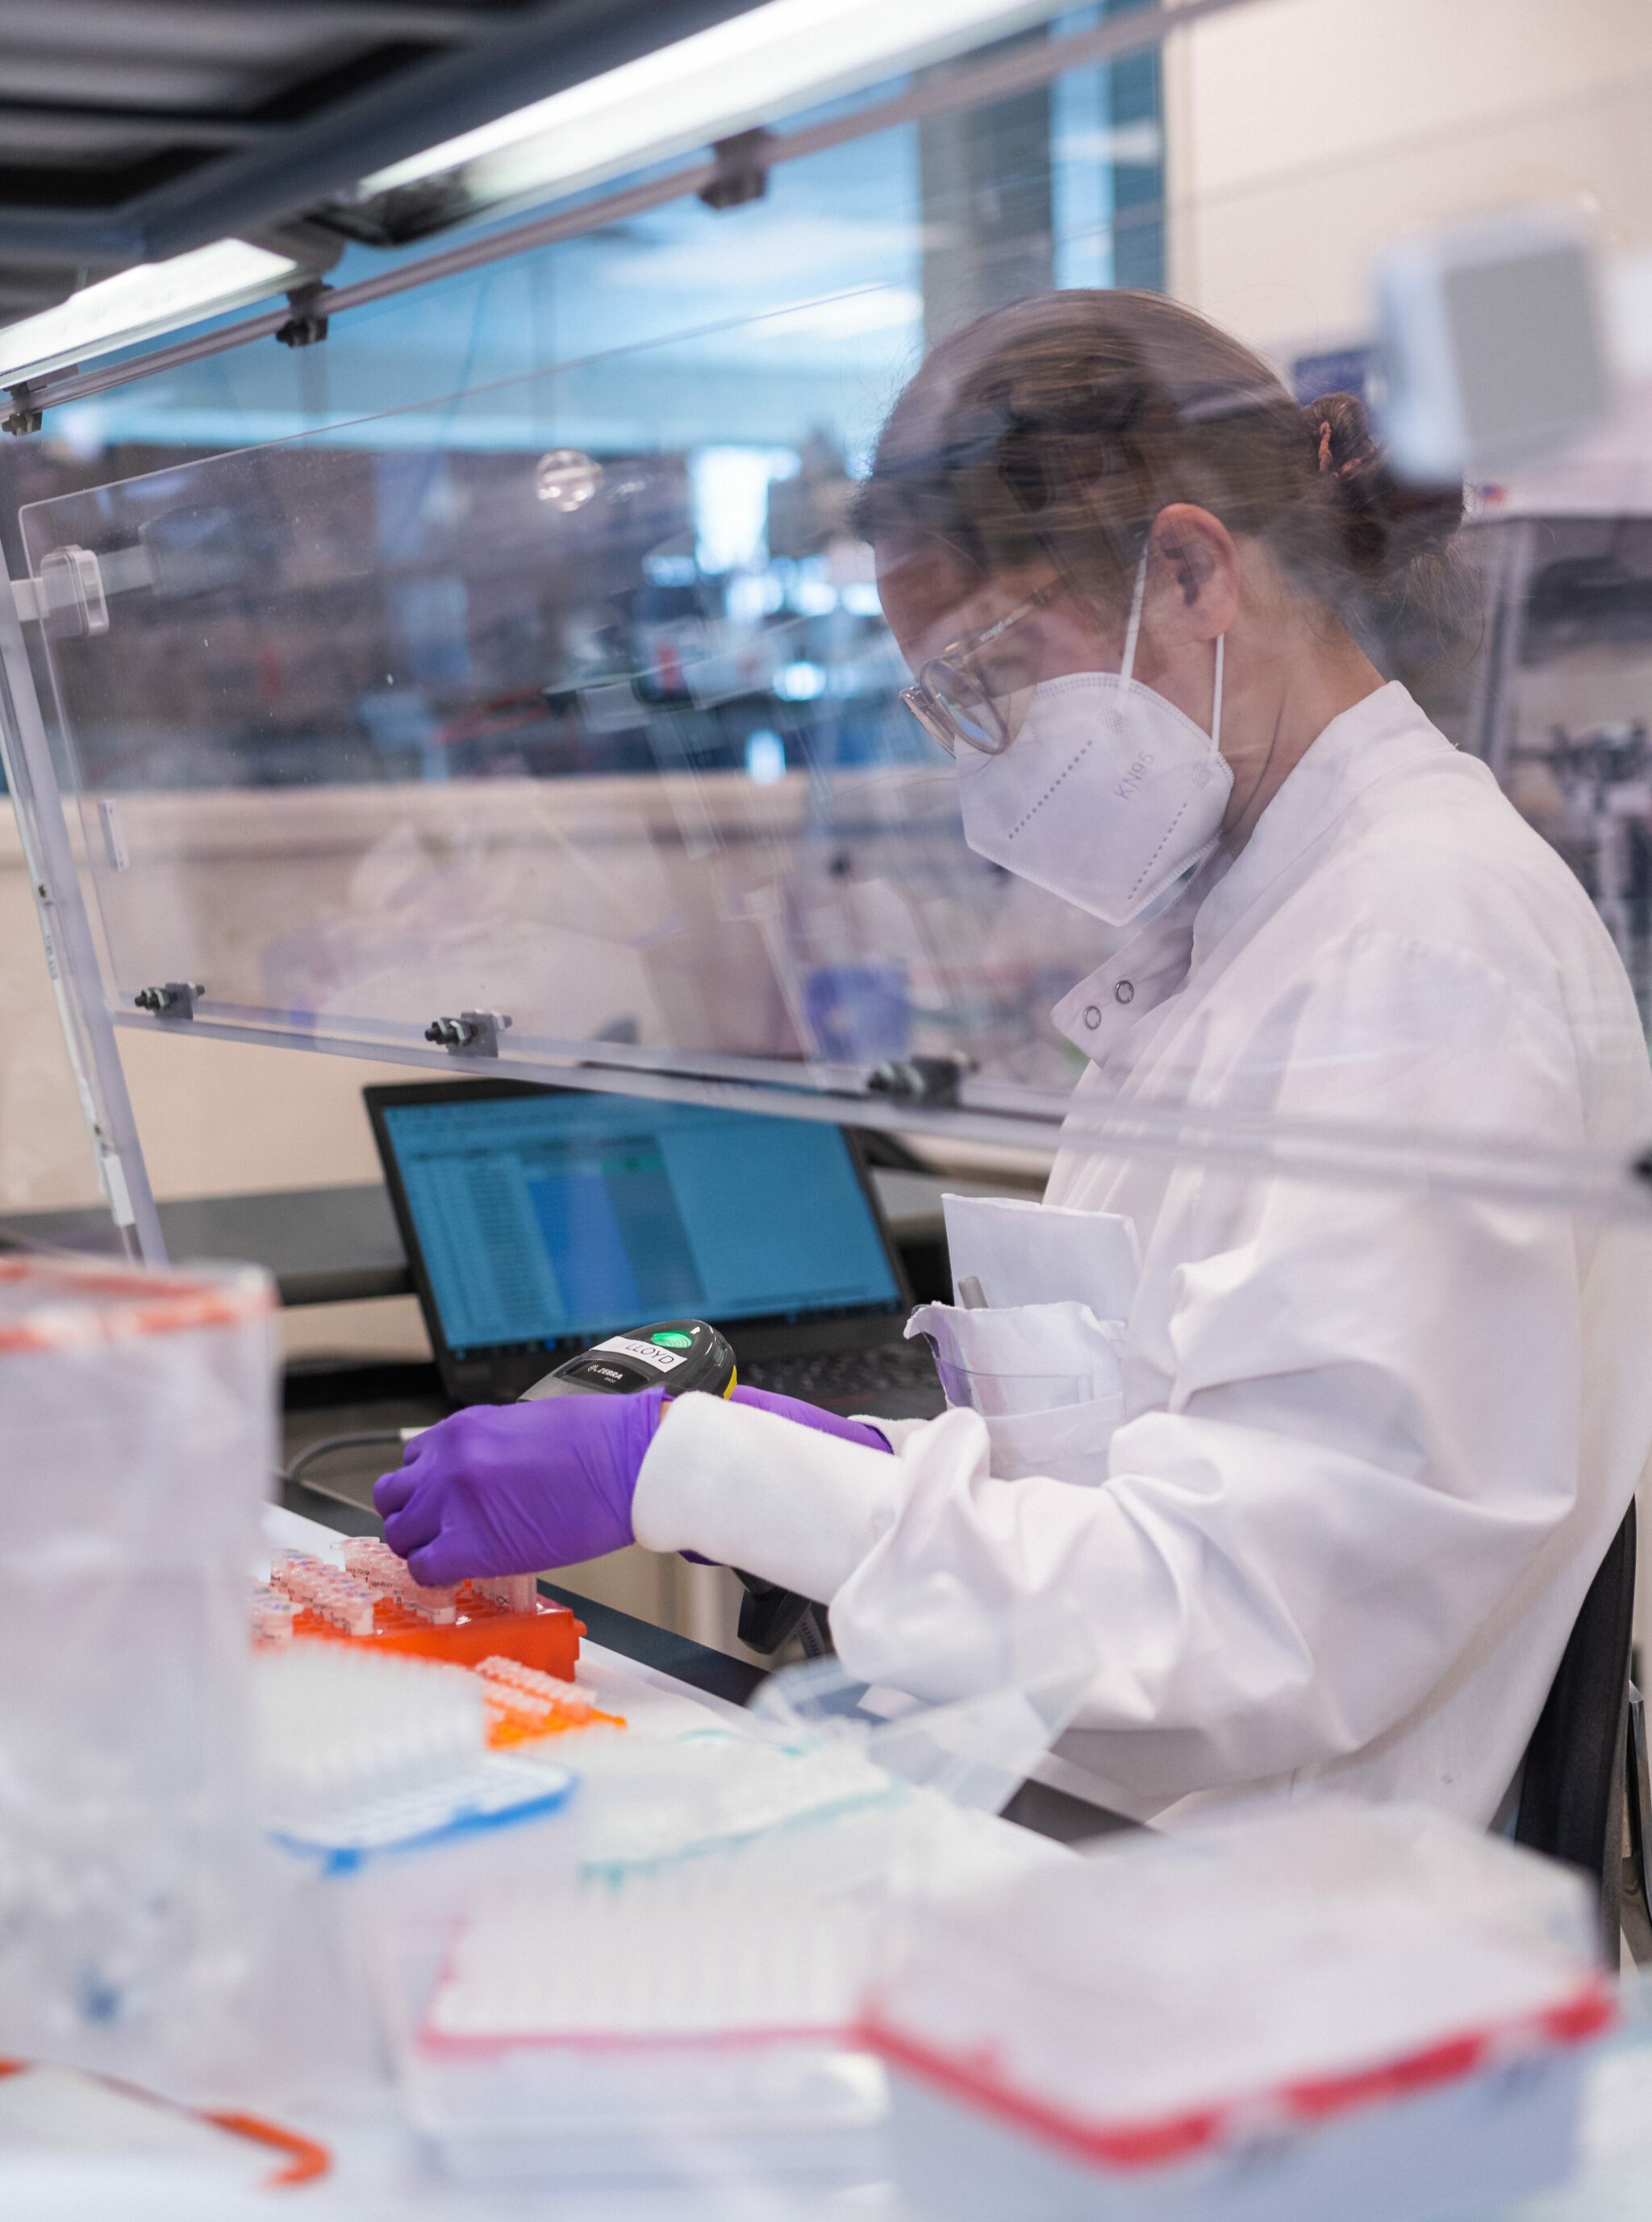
[{"x": 1107, "y": 793}]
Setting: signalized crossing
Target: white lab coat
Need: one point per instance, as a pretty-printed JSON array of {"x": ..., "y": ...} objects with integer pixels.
[{"x": 1375, "y": 1441}]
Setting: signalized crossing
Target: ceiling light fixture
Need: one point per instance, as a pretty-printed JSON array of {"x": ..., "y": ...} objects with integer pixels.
[
  {"x": 748, "y": 70},
  {"x": 136, "y": 304}
]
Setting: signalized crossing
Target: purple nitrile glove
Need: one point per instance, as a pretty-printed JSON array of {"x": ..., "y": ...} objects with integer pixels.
[
  {"x": 506, "y": 1489},
  {"x": 811, "y": 1415}
]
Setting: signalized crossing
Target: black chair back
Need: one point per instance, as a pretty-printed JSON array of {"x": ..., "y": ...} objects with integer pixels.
[{"x": 1572, "y": 1791}]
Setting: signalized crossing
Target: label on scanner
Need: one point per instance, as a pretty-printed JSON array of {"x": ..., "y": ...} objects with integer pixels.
[{"x": 643, "y": 1353}]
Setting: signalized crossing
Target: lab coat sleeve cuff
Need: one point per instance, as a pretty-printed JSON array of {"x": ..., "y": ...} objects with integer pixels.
[
  {"x": 897, "y": 1433},
  {"x": 752, "y": 1490}
]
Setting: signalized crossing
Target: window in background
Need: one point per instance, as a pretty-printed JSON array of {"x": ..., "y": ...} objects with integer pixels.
[
  {"x": 1135, "y": 120},
  {"x": 1107, "y": 161},
  {"x": 987, "y": 217}
]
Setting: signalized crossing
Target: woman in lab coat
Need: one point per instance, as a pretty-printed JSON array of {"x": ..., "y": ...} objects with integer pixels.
[{"x": 1325, "y": 1479}]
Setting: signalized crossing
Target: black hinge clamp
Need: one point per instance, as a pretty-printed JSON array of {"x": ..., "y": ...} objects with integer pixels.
[
  {"x": 176, "y": 1000},
  {"x": 24, "y": 416},
  {"x": 473, "y": 1034},
  {"x": 742, "y": 172},
  {"x": 307, "y": 325},
  {"x": 932, "y": 1080}
]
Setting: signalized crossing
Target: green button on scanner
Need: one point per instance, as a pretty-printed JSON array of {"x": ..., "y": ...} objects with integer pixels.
[{"x": 669, "y": 1340}]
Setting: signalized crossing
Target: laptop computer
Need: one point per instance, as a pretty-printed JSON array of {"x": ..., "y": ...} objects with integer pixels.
[{"x": 537, "y": 1220}]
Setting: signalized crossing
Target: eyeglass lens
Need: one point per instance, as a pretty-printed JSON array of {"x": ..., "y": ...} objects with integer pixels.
[{"x": 968, "y": 709}]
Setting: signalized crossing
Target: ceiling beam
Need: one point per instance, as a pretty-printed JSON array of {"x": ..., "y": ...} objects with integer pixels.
[
  {"x": 44, "y": 124},
  {"x": 531, "y": 52},
  {"x": 407, "y": 19},
  {"x": 72, "y": 239},
  {"x": 411, "y": 20},
  {"x": 146, "y": 27},
  {"x": 509, "y": 56}
]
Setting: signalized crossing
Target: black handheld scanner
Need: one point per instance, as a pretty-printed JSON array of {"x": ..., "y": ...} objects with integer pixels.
[
  {"x": 675, "y": 1355},
  {"x": 680, "y": 1356}
]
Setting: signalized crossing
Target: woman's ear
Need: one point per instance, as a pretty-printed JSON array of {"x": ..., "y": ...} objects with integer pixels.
[{"x": 1194, "y": 562}]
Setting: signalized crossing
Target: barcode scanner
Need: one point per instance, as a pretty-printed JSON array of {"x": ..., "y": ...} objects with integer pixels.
[{"x": 677, "y": 1355}]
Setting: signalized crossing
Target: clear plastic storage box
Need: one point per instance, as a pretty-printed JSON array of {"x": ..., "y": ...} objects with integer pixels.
[
  {"x": 1374, "y": 2015},
  {"x": 137, "y": 1415}
]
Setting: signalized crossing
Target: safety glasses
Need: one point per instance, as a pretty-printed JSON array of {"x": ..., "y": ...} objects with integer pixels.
[{"x": 954, "y": 699}]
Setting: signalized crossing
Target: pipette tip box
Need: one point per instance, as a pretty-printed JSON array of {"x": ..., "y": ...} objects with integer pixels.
[{"x": 636, "y": 2033}]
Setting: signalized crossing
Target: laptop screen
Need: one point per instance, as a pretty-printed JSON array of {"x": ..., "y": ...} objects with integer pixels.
[{"x": 548, "y": 1219}]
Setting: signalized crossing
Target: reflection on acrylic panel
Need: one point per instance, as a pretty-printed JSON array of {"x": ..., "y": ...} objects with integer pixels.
[
  {"x": 610, "y": 745},
  {"x": 614, "y": 745},
  {"x": 567, "y": 694}
]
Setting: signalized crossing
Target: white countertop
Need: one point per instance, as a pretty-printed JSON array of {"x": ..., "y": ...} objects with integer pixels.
[{"x": 75, "y": 2152}]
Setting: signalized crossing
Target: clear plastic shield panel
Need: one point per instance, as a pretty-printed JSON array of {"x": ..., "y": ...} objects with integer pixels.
[
  {"x": 367, "y": 737},
  {"x": 994, "y": 649},
  {"x": 374, "y": 742}
]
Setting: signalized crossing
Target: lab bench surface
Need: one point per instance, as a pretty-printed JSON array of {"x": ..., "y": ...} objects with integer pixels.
[
  {"x": 340, "y": 1497},
  {"x": 321, "y": 1245}
]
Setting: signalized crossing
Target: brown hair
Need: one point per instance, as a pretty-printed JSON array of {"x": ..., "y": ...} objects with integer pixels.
[{"x": 1057, "y": 429}]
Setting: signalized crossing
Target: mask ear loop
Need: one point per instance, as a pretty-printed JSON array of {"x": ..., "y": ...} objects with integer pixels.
[
  {"x": 1132, "y": 634},
  {"x": 1137, "y": 594}
]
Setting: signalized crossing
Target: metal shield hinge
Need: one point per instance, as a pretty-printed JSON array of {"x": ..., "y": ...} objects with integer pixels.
[{"x": 473, "y": 1034}]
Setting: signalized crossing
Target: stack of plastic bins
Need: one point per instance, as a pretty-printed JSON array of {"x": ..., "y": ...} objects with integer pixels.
[
  {"x": 1377, "y": 2016},
  {"x": 685, "y": 2010},
  {"x": 136, "y": 1436}
]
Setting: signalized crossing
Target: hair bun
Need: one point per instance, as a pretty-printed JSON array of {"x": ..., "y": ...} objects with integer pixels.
[{"x": 1388, "y": 524}]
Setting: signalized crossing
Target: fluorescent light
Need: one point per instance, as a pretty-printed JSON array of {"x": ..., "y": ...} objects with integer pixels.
[
  {"x": 135, "y": 305},
  {"x": 750, "y": 70}
]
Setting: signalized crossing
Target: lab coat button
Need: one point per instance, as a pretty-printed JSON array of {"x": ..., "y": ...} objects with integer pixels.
[
  {"x": 1125, "y": 991},
  {"x": 1092, "y": 1016}
]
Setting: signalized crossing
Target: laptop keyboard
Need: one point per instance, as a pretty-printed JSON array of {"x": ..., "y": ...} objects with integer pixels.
[{"x": 897, "y": 1379}]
